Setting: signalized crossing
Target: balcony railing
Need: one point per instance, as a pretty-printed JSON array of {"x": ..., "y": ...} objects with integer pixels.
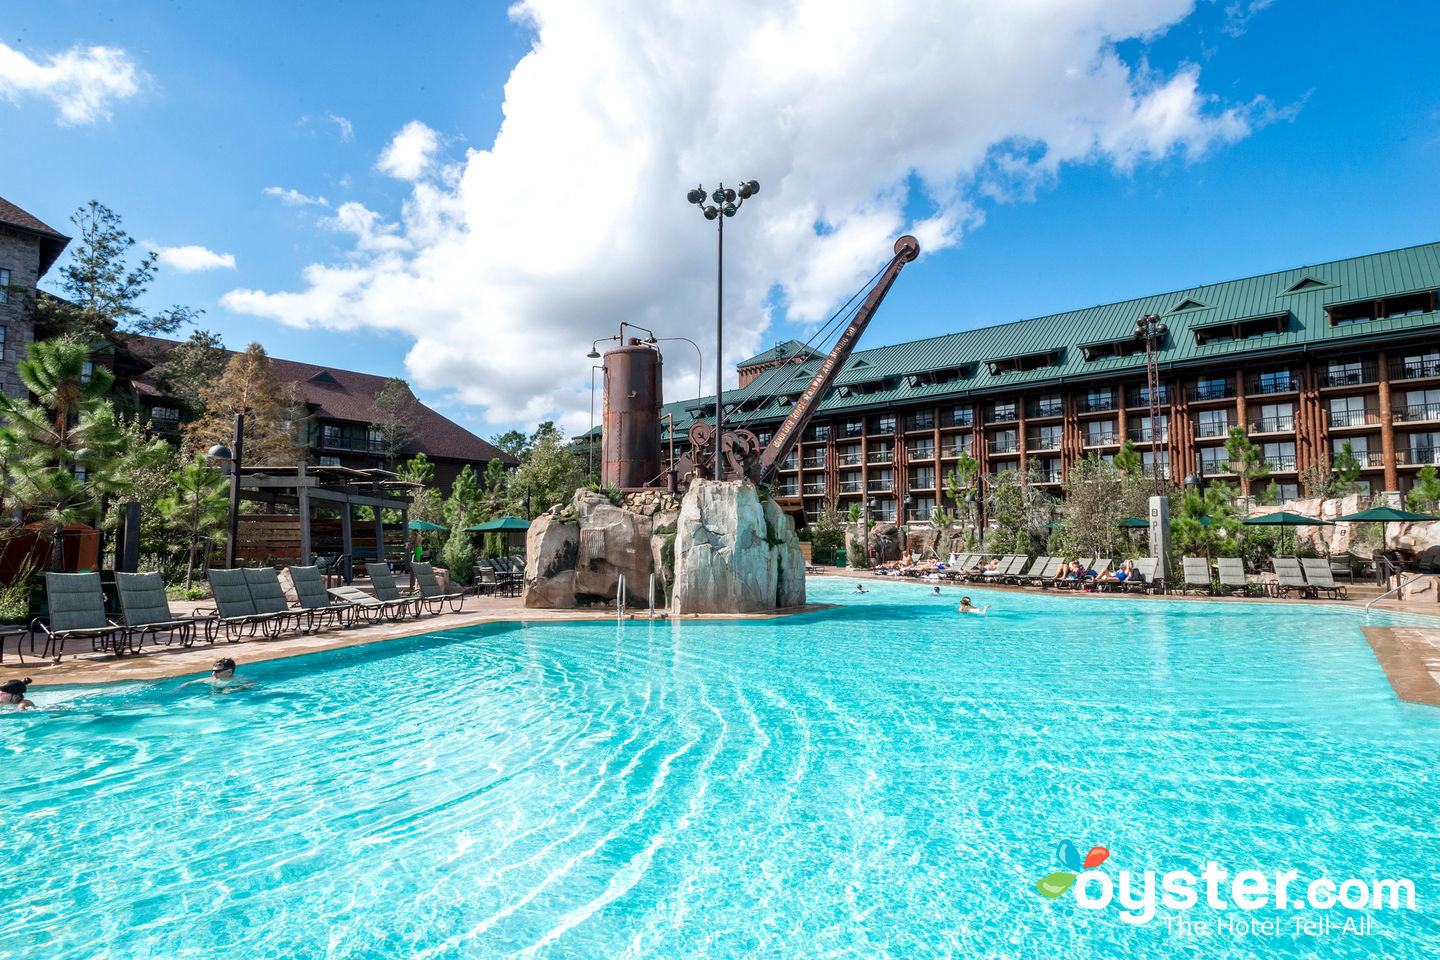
[
  {"x": 878, "y": 456},
  {"x": 955, "y": 451},
  {"x": 1045, "y": 408},
  {"x": 361, "y": 444},
  {"x": 815, "y": 488},
  {"x": 850, "y": 459},
  {"x": 1003, "y": 446},
  {"x": 1097, "y": 404},
  {"x": 964, "y": 418},
  {"x": 818, "y": 436},
  {"x": 790, "y": 463},
  {"x": 1349, "y": 376},
  {"x": 851, "y": 430},
  {"x": 1038, "y": 442},
  {"x": 814, "y": 463},
  {"x": 926, "y": 422},
  {"x": 788, "y": 490},
  {"x": 1272, "y": 424},
  {"x": 920, "y": 453},
  {"x": 1354, "y": 418},
  {"x": 1409, "y": 368},
  {"x": 1215, "y": 468},
  {"x": 880, "y": 486},
  {"x": 1282, "y": 464},
  {"x": 1000, "y": 415},
  {"x": 1271, "y": 383},
  {"x": 1211, "y": 390},
  {"x": 1106, "y": 438},
  {"x": 922, "y": 483},
  {"x": 1370, "y": 459},
  {"x": 1141, "y": 397},
  {"x": 850, "y": 486},
  {"x": 1144, "y": 434},
  {"x": 1418, "y": 411},
  {"x": 1212, "y": 428},
  {"x": 1419, "y": 455}
]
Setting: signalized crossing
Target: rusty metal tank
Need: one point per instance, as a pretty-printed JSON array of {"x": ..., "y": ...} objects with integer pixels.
[{"x": 630, "y": 449}]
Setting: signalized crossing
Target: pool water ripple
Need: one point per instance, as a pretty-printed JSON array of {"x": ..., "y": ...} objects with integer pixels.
[{"x": 885, "y": 779}]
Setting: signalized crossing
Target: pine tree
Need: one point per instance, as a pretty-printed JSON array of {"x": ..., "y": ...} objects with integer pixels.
[
  {"x": 1424, "y": 496},
  {"x": 393, "y": 413},
  {"x": 198, "y": 506},
  {"x": 1246, "y": 459},
  {"x": 249, "y": 386}
]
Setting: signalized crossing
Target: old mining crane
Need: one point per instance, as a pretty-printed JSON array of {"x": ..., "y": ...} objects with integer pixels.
[{"x": 630, "y": 445}]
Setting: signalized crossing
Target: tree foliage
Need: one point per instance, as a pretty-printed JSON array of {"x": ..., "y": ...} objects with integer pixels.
[
  {"x": 103, "y": 291},
  {"x": 393, "y": 415},
  {"x": 1128, "y": 459},
  {"x": 1424, "y": 496},
  {"x": 271, "y": 410},
  {"x": 1017, "y": 507},
  {"x": 827, "y": 534},
  {"x": 197, "y": 507},
  {"x": 1205, "y": 524},
  {"x": 191, "y": 366},
  {"x": 549, "y": 472},
  {"x": 1246, "y": 459},
  {"x": 1098, "y": 496}
]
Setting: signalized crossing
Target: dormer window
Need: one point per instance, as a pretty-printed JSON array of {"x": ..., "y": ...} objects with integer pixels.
[
  {"x": 1029, "y": 361},
  {"x": 1389, "y": 308},
  {"x": 1108, "y": 349},
  {"x": 1251, "y": 328}
]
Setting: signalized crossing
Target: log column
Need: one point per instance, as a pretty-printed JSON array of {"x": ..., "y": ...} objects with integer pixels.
[{"x": 1387, "y": 425}]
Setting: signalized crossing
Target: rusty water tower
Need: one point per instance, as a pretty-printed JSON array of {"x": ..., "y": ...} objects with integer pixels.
[{"x": 630, "y": 452}]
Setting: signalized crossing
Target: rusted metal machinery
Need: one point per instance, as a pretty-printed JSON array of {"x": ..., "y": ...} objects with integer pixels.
[
  {"x": 740, "y": 448},
  {"x": 630, "y": 437}
]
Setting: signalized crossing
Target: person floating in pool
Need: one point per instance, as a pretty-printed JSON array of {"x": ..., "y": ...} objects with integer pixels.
[
  {"x": 222, "y": 677},
  {"x": 967, "y": 607},
  {"x": 12, "y": 694},
  {"x": 860, "y": 588},
  {"x": 937, "y": 590}
]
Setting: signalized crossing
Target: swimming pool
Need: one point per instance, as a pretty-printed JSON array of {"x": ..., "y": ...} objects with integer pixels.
[{"x": 885, "y": 779}]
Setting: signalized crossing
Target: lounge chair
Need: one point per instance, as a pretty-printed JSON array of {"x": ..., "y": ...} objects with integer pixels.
[
  {"x": 382, "y": 581},
  {"x": 145, "y": 610},
  {"x": 77, "y": 609},
  {"x": 1291, "y": 578},
  {"x": 1142, "y": 570},
  {"x": 1233, "y": 578},
  {"x": 485, "y": 580},
  {"x": 1078, "y": 583},
  {"x": 431, "y": 594},
  {"x": 370, "y": 607},
  {"x": 316, "y": 604},
  {"x": 269, "y": 597},
  {"x": 235, "y": 613},
  {"x": 1197, "y": 575},
  {"x": 1318, "y": 575},
  {"x": 1045, "y": 575},
  {"x": 1026, "y": 575}
]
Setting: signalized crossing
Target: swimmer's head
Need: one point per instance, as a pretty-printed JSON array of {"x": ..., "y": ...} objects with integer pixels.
[
  {"x": 13, "y": 691},
  {"x": 224, "y": 668},
  {"x": 965, "y": 601}
]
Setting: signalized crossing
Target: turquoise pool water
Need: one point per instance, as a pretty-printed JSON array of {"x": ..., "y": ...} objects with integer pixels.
[{"x": 888, "y": 779}]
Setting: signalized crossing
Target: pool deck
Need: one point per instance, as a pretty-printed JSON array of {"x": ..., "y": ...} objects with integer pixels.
[{"x": 160, "y": 662}]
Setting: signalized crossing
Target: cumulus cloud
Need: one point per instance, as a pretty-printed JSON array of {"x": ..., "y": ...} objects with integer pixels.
[
  {"x": 295, "y": 198},
  {"x": 347, "y": 129},
  {"x": 860, "y": 120},
  {"x": 410, "y": 153},
  {"x": 193, "y": 258},
  {"x": 81, "y": 82}
]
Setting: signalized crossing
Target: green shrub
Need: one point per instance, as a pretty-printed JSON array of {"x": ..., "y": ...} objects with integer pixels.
[{"x": 459, "y": 557}]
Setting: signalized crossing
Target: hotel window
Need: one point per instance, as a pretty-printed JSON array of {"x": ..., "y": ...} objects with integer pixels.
[
  {"x": 1004, "y": 441},
  {"x": 1211, "y": 388},
  {"x": 880, "y": 453},
  {"x": 165, "y": 418},
  {"x": 1001, "y": 411},
  {"x": 332, "y": 436},
  {"x": 4, "y": 285},
  {"x": 885, "y": 424},
  {"x": 1049, "y": 469},
  {"x": 1213, "y": 461},
  {"x": 922, "y": 509},
  {"x": 374, "y": 441},
  {"x": 853, "y": 428},
  {"x": 1273, "y": 418},
  {"x": 850, "y": 481},
  {"x": 957, "y": 444},
  {"x": 1272, "y": 381},
  {"x": 1287, "y": 492},
  {"x": 1351, "y": 412},
  {"x": 1424, "y": 447},
  {"x": 1425, "y": 364},
  {"x": 1143, "y": 431},
  {"x": 762, "y": 437},
  {"x": 87, "y": 371},
  {"x": 792, "y": 459},
  {"x": 882, "y": 481},
  {"x": 1099, "y": 432},
  {"x": 1280, "y": 456},
  {"x": 924, "y": 420},
  {"x": 1098, "y": 401},
  {"x": 849, "y": 454},
  {"x": 962, "y": 417},
  {"x": 1212, "y": 423},
  {"x": 1343, "y": 374},
  {"x": 329, "y": 461},
  {"x": 1050, "y": 405},
  {"x": 2, "y": 339},
  {"x": 1359, "y": 446},
  {"x": 1140, "y": 396},
  {"x": 1422, "y": 405},
  {"x": 886, "y": 512},
  {"x": 923, "y": 449},
  {"x": 818, "y": 433},
  {"x": 1048, "y": 438},
  {"x": 923, "y": 478},
  {"x": 1147, "y": 461}
]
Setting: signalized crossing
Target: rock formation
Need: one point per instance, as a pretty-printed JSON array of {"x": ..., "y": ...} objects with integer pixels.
[{"x": 734, "y": 554}]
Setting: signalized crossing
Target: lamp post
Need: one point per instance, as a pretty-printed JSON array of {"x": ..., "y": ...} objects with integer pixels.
[
  {"x": 727, "y": 202},
  {"x": 230, "y": 467},
  {"x": 1151, "y": 329},
  {"x": 699, "y": 360},
  {"x": 590, "y": 437}
]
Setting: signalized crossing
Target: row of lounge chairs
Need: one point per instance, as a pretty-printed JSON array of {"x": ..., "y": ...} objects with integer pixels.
[
  {"x": 1307, "y": 577},
  {"x": 500, "y": 573},
  {"x": 1043, "y": 571},
  {"x": 249, "y": 602}
]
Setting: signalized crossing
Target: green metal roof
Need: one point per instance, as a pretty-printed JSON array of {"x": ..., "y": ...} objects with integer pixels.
[
  {"x": 790, "y": 348},
  {"x": 1393, "y": 273}
]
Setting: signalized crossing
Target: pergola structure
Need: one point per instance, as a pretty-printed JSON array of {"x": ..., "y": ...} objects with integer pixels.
[{"x": 343, "y": 488}]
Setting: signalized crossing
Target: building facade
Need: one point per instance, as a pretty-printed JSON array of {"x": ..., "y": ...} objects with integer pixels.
[
  {"x": 28, "y": 248},
  {"x": 1303, "y": 360}
]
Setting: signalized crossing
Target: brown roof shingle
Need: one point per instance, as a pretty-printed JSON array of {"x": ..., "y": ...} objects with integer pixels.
[{"x": 52, "y": 241}]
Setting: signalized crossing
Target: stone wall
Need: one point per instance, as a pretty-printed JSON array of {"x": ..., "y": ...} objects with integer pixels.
[{"x": 20, "y": 254}]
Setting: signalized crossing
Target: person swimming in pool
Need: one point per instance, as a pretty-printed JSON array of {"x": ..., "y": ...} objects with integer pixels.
[
  {"x": 937, "y": 590},
  {"x": 12, "y": 694},
  {"x": 222, "y": 676},
  {"x": 967, "y": 607},
  {"x": 860, "y": 588}
]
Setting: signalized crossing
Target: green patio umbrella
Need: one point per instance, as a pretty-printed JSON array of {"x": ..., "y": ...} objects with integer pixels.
[
  {"x": 1286, "y": 519},
  {"x": 1385, "y": 516},
  {"x": 1134, "y": 522},
  {"x": 425, "y": 525},
  {"x": 499, "y": 525}
]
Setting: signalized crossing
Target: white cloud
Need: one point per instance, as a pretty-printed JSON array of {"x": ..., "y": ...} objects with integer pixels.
[
  {"x": 193, "y": 258},
  {"x": 410, "y": 153},
  {"x": 504, "y": 267},
  {"x": 1238, "y": 15},
  {"x": 295, "y": 198},
  {"x": 347, "y": 129},
  {"x": 82, "y": 82}
]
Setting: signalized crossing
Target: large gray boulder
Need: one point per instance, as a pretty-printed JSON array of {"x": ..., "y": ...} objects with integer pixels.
[
  {"x": 552, "y": 549},
  {"x": 731, "y": 552},
  {"x": 613, "y": 543}
]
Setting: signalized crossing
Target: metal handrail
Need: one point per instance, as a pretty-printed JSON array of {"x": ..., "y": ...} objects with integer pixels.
[{"x": 1394, "y": 590}]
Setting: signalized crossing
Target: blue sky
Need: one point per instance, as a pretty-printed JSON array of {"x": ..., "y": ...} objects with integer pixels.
[{"x": 1309, "y": 133}]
